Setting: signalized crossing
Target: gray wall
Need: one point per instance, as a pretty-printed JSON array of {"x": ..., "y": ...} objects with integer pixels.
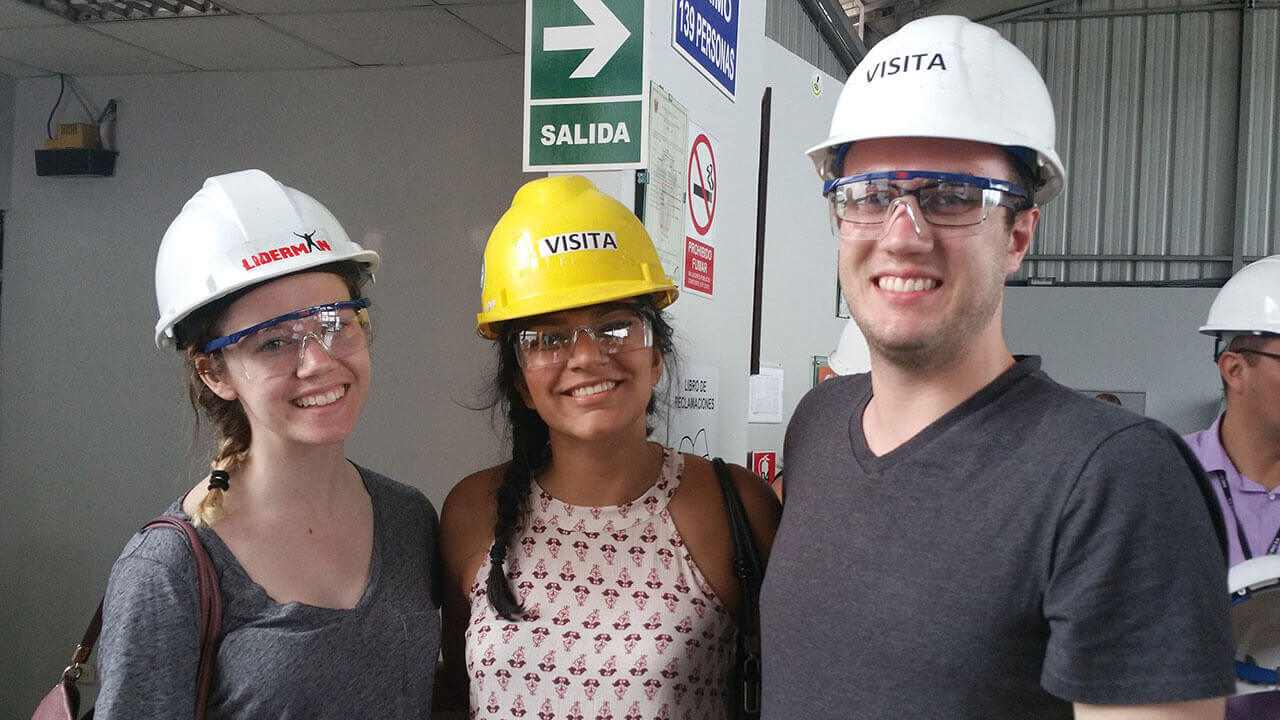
[
  {"x": 6, "y": 137},
  {"x": 417, "y": 163},
  {"x": 1127, "y": 339}
]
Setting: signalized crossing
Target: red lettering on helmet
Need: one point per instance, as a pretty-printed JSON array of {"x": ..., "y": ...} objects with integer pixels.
[{"x": 285, "y": 251}]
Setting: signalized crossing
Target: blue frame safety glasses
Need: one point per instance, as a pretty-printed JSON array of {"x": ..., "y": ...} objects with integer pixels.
[
  {"x": 277, "y": 346},
  {"x": 862, "y": 204},
  {"x": 618, "y": 331}
]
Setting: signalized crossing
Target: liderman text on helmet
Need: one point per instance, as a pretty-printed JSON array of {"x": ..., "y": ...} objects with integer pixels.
[{"x": 286, "y": 251}]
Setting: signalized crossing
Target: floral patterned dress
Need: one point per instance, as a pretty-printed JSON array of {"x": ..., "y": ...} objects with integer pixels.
[{"x": 619, "y": 622}]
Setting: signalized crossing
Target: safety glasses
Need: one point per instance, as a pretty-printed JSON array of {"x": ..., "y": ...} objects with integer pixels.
[
  {"x": 617, "y": 332},
  {"x": 861, "y": 204},
  {"x": 277, "y": 346},
  {"x": 1273, "y": 356}
]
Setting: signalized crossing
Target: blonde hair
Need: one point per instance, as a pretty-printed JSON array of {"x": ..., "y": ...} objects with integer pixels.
[
  {"x": 233, "y": 447},
  {"x": 210, "y": 511}
]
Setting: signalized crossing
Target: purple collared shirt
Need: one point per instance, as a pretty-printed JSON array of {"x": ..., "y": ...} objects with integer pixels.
[{"x": 1257, "y": 509}]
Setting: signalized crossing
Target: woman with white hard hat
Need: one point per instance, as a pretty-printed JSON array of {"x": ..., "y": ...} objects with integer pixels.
[
  {"x": 325, "y": 566},
  {"x": 591, "y": 574}
]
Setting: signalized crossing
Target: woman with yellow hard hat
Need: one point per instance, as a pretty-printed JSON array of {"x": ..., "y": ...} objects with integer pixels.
[{"x": 591, "y": 574}]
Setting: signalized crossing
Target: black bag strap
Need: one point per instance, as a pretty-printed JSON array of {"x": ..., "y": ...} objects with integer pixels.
[
  {"x": 746, "y": 565},
  {"x": 210, "y": 614}
]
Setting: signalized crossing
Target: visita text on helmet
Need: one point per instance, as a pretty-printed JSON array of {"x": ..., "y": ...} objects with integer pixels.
[{"x": 906, "y": 63}]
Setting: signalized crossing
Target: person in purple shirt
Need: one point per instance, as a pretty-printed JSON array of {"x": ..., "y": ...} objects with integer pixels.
[
  {"x": 1240, "y": 452},
  {"x": 1241, "y": 449}
]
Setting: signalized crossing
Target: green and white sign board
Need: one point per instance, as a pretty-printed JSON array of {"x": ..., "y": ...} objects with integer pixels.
[{"x": 585, "y": 85}]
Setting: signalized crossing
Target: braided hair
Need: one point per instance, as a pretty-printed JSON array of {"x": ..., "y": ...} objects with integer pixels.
[
  {"x": 531, "y": 449},
  {"x": 228, "y": 416}
]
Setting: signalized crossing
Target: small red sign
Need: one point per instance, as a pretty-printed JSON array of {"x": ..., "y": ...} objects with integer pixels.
[
  {"x": 825, "y": 373},
  {"x": 699, "y": 265},
  {"x": 765, "y": 464}
]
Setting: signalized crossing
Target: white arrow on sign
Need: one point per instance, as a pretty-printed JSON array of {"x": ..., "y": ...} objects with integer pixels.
[{"x": 603, "y": 37}]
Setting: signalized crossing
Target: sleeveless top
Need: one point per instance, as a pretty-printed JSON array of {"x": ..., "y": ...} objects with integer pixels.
[{"x": 619, "y": 623}]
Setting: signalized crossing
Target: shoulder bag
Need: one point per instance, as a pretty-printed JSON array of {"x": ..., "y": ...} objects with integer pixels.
[
  {"x": 744, "y": 695},
  {"x": 63, "y": 701}
]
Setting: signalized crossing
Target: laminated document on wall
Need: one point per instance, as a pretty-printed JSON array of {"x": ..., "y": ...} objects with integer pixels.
[
  {"x": 665, "y": 195},
  {"x": 766, "y": 395}
]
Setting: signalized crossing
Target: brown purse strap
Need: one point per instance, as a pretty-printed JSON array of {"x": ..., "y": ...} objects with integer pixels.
[
  {"x": 210, "y": 605},
  {"x": 210, "y": 614},
  {"x": 85, "y": 648}
]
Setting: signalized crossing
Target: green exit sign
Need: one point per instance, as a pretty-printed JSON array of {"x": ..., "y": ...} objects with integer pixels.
[{"x": 586, "y": 85}]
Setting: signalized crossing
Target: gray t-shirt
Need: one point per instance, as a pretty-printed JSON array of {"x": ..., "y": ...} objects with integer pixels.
[
  {"x": 276, "y": 661},
  {"x": 1030, "y": 548}
]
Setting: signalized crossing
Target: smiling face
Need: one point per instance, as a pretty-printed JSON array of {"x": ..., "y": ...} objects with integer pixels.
[
  {"x": 592, "y": 395},
  {"x": 321, "y": 401},
  {"x": 924, "y": 295}
]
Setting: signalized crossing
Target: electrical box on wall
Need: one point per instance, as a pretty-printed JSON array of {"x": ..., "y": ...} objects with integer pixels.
[
  {"x": 70, "y": 162},
  {"x": 75, "y": 151},
  {"x": 75, "y": 135}
]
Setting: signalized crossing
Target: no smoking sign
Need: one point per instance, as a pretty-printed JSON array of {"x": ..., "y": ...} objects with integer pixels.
[
  {"x": 699, "y": 246},
  {"x": 702, "y": 184}
]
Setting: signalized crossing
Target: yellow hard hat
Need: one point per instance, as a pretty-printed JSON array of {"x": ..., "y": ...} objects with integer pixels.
[{"x": 563, "y": 244}]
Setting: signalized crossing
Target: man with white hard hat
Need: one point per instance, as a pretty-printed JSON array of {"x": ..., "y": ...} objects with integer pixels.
[
  {"x": 963, "y": 537},
  {"x": 1241, "y": 453},
  {"x": 1241, "y": 449}
]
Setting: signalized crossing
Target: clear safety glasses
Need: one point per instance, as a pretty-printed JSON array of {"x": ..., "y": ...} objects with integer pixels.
[
  {"x": 617, "y": 332},
  {"x": 276, "y": 347},
  {"x": 861, "y": 204}
]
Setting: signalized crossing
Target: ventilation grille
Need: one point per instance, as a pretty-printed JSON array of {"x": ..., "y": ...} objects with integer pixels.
[{"x": 90, "y": 11}]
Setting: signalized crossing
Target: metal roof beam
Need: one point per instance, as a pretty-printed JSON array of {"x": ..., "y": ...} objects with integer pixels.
[{"x": 833, "y": 24}]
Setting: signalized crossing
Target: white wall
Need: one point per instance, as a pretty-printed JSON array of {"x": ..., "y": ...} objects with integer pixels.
[
  {"x": 94, "y": 426},
  {"x": 717, "y": 331},
  {"x": 798, "y": 317}
]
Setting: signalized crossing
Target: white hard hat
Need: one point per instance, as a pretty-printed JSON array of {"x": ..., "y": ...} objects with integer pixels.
[
  {"x": 1255, "y": 619},
  {"x": 851, "y": 355},
  {"x": 945, "y": 76},
  {"x": 1249, "y": 303},
  {"x": 238, "y": 230}
]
